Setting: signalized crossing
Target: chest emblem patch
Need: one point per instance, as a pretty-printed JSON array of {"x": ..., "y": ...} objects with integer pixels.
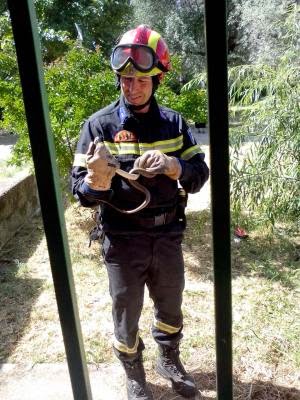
[{"x": 125, "y": 136}]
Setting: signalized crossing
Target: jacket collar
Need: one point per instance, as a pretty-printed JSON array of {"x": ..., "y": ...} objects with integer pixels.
[{"x": 125, "y": 114}]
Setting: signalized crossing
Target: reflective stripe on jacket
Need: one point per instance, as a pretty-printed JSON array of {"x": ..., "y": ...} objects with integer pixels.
[{"x": 128, "y": 136}]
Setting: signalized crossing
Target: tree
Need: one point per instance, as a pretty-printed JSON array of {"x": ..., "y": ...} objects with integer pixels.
[
  {"x": 99, "y": 21},
  {"x": 77, "y": 85},
  {"x": 260, "y": 29},
  {"x": 266, "y": 180},
  {"x": 8, "y": 63},
  {"x": 60, "y": 22},
  {"x": 264, "y": 97},
  {"x": 181, "y": 23}
]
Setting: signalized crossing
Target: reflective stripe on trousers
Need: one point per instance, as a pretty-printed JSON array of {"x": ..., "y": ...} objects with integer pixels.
[{"x": 133, "y": 261}]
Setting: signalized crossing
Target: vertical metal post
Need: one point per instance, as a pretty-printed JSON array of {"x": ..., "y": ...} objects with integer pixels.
[
  {"x": 23, "y": 19},
  {"x": 216, "y": 52}
]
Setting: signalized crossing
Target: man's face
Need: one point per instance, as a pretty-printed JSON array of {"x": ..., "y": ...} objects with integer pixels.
[{"x": 137, "y": 90}]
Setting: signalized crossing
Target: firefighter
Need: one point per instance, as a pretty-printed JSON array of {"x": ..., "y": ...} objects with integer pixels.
[{"x": 142, "y": 248}]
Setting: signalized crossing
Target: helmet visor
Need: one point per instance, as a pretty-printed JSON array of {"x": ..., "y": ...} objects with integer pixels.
[{"x": 142, "y": 57}]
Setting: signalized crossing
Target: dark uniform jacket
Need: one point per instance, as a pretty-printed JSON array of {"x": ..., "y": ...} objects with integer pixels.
[{"x": 128, "y": 136}]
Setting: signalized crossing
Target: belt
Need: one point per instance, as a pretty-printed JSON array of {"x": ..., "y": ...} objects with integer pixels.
[{"x": 155, "y": 220}]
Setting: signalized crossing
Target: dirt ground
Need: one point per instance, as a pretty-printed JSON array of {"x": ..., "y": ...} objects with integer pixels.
[
  {"x": 28, "y": 381},
  {"x": 33, "y": 380}
]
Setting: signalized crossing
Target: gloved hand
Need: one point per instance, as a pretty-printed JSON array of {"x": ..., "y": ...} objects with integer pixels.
[
  {"x": 156, "y": 162},
  {"x": 101, "y": 166}
]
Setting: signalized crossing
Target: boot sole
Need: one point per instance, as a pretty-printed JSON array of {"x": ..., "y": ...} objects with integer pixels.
[{"x": 165, "y": 375}]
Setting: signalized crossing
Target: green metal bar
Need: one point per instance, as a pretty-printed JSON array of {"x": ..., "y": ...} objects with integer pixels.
[
  {"x": 24, "y": 26},
  {"x": 216, "y": 52}
]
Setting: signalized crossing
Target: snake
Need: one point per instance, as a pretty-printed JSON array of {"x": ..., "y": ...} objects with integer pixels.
[{"x": 132, "y": 177}]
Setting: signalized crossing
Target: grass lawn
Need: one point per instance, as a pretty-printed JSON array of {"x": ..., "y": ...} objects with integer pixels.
[{"x": 266, "y": 311}]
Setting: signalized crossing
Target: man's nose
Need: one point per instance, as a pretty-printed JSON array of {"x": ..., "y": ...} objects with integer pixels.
[{"x": 133, "y": 85}]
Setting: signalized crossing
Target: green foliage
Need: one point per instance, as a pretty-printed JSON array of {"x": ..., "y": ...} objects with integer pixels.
[
  {"x": 265, "y": 146},
  {"x": 77, "y": 85},
  {"x": 100, "y": 22},
  {"x": 8, "y": 65},
  {"x": 11, "y": 105},
  {"x": 173, "y": 79},
  {"x": 265, "y": 171},
  {"x": 181, "y": 23},
  {"x": 261, "y": 29},
  {"x": 191, "y": 103},
  {"x": 54, "y": 44}
]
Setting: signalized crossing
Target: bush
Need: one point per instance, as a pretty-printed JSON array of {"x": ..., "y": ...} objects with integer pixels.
[
  {"x": 77, "y": 85},
  {"x": 266, "y": 180},
  {"x": 191, "y": 104}
]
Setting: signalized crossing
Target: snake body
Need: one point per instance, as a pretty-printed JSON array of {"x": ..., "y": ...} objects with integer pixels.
[{"x": 132, "y": 177}]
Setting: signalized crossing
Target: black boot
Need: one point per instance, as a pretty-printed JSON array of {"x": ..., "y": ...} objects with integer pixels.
[
  {"x": 136, "y": 380},
  {"x": 170, "y": 367}
]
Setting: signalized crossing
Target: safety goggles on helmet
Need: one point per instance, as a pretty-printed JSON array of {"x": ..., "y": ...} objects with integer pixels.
[{"x": 142, "y": 57}]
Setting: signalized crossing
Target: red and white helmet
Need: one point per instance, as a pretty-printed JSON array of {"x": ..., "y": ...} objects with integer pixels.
[{"x": 141, "y": 52}]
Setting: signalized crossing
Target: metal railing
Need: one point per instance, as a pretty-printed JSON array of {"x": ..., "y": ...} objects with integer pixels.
[
  {"x": 27, "y": 44},
  {"x": 216, "y": 54},
  {"x": 36, "y": 106}
]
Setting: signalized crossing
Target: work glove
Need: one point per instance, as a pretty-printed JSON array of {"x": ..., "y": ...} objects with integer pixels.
[
  {"x": 101, "y": 166},
  {"x": 156, "y": 162}
]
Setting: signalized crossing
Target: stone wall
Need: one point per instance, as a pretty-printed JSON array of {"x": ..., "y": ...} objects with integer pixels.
[{"x": 18, "y": 203}]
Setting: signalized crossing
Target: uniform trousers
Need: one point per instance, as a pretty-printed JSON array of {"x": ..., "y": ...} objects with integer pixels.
[{"x": 134, "y": 261}]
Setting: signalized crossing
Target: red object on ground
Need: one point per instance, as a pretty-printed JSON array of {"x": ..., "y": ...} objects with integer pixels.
[{"x": 240, "y": 233}]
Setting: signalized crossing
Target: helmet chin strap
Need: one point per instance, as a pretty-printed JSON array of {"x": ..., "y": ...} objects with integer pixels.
[{"x": 133, "y": 107}]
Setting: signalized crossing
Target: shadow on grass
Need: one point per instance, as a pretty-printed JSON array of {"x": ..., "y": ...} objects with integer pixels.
[
  {"x": 84, "y": 217},
  {"x": 18, "y": 291},
  {"x": 206, "y": 382},
  {"x": 273, "y": 257}
]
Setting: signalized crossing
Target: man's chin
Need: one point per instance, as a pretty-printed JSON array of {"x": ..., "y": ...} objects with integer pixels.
[
  {"x": 138, "y": 103},
  {"x": 135, "y": 102}
]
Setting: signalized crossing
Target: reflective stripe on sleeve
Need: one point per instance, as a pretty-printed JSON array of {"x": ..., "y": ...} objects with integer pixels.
[
  {"x": 123, "y": 148},
  {"x": 165, "y": 327},
  {"x": 190, "y": 152},
  {"x": 124, "y": 349},
  {"x": 79, "y": 160}
]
